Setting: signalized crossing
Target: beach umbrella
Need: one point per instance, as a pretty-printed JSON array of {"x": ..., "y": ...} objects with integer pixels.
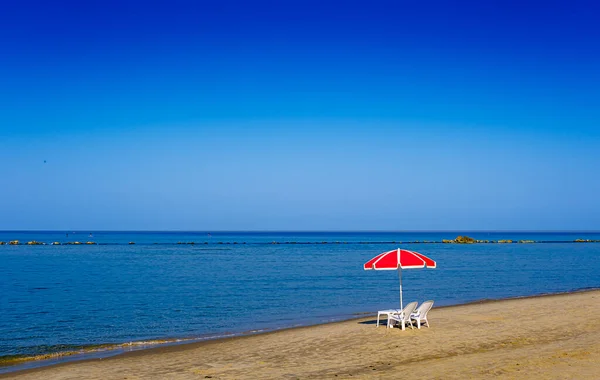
[{"x": 399, "y": 259}]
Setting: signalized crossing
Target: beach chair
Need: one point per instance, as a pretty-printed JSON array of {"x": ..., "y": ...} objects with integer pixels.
[
  {"x": 403, "y": 318},
  {"x": 421, "y": 313}
]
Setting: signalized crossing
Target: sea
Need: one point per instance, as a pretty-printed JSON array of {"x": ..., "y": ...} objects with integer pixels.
[{"x": 133, "y": 290}]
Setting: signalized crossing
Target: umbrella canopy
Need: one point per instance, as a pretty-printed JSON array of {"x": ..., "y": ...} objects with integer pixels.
[{"x": 399, "y": 259}]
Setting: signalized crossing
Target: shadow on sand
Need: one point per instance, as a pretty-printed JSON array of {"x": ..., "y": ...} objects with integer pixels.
[{"x": 371, "y": 322}]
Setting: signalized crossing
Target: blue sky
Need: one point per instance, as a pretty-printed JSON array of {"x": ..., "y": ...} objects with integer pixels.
[{"x": 299, "y": 115}]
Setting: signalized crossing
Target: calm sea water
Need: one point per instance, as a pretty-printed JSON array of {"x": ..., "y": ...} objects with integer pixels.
[{"x": 56, "y": 297}]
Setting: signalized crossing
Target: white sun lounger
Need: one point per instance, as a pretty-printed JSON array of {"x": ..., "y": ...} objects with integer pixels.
[
  {"x": 403, "y": 317},
  {"x": 421, "y": 313}
]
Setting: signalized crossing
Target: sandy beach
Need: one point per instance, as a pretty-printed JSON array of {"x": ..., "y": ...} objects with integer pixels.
[{"x": 548, "y": 337}]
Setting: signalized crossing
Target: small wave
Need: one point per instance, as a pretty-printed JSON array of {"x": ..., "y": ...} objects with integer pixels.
[{"x": 61, "y": 353}]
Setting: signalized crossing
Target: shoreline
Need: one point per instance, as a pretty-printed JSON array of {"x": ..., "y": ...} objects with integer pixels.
[{"x": 36, "y": 363}]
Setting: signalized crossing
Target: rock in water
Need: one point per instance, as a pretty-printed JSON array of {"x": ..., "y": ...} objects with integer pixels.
[{"x": 464, "y": 240}]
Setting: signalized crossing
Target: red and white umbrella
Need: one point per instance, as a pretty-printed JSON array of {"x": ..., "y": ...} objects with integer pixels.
[{"x": 399, "y": 259}]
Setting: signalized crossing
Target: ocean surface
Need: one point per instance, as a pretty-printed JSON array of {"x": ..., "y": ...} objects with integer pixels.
[{"x": 56, "y": 298}]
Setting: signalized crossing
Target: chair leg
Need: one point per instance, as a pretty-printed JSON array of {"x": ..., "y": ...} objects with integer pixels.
[
  {"x": 377, "y": 320},
  {"x": 419, "y": 324}
]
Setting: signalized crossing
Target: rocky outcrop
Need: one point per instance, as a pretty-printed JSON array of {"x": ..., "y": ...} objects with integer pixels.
[
  {"x": 33, "y": 242},
  {"x": 464, "y": 240},
  {"x": 505, "y": 241},
  {"x": 526, "y": 241},
  {"x": 13, "y": 242},
  {"x": 90, "y": 243}
]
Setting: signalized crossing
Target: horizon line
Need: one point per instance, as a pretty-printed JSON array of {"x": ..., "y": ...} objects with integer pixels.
[{"x": 308, "y": 231}]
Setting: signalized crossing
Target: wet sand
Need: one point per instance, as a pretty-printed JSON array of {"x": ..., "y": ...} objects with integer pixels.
[{"x": 548, "y": 337}]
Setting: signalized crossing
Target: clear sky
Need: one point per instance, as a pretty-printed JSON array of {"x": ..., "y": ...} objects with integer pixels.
[{"x": 299, "y": 115}]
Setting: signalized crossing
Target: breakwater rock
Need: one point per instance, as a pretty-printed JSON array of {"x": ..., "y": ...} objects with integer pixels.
[
  {"x": 463, "y": 240},
  {"x": 458, "y": 240}
]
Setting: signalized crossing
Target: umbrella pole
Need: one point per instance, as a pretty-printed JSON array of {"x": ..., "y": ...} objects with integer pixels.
[{"x": 400, "y": 277}]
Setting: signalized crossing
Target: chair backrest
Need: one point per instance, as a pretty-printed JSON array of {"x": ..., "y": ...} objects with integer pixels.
[
  {"x": 408, "y": 310},
  {"x": 424, "y": 309}
]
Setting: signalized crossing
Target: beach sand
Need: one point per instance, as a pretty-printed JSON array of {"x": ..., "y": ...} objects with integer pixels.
[{"x": 549, "y": 337}]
